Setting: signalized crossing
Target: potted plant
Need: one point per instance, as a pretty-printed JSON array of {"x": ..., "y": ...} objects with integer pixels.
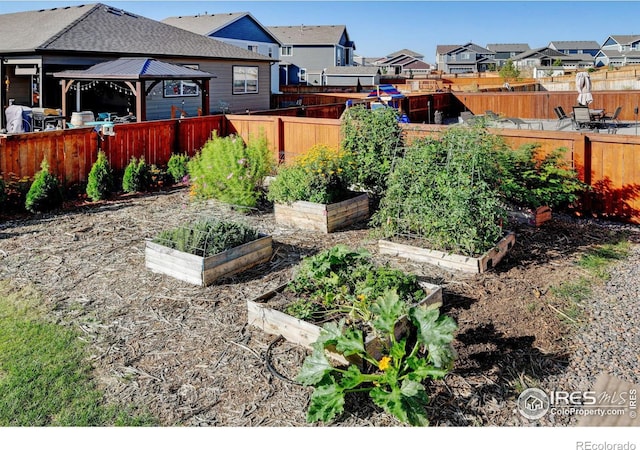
[
  {"x": 313, "y": 192},
  {"x": 533, "y": 184},
  {"x": 335, "y": 284},
  {"x": 443, "y": 204},
  {"x": 207, "y": 250}
]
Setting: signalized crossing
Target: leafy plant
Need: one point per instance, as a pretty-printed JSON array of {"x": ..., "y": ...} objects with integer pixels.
[
  {"x": 100, "y": 182},
  {"x": 137, "y": 176},
  {"x": 340, "y": 281},
  {"x": 207, "y": 237},
  {"x": 374, "y": 138},
  {"x": 228, "y": 170},
  {"x": 322, "y": 175},
  {"x": 532, "y": 180},
  {"x": 396, "y": 382},
  {"x": 44, "y": 193},
  {"x": 177, "y": 167},
  {"x": 445, "y": 193}
]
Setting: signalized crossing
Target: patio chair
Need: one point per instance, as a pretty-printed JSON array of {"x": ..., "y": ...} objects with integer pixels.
[
  {"x": 562, "y": 116},
  {"x": 582, "y": 119},
  {"x": 612, "y": 122}
]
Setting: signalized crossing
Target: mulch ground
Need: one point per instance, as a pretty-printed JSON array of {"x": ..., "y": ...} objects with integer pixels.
[{"x": 186, "y": 354}]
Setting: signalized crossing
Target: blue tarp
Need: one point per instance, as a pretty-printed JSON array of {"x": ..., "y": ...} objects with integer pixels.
[{"x": 386, "y": 90}]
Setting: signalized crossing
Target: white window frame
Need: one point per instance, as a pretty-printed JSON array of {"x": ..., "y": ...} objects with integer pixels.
[
  {"x": 181, "y": 88},
  {"x": 286, "y": 50},
  {"x": 245, "y": 80},
  {"x": 302, "y": 75},
  {"x": 252, "y": 48}
]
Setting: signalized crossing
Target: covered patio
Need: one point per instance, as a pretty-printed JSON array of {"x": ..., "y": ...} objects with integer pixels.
[{"x": 134, "y": 73}]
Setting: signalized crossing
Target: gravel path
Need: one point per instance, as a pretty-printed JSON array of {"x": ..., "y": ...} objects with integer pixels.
[{"x": 608, "y": 343}]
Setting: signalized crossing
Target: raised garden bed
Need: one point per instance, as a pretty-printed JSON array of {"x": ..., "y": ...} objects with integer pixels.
[
  {"x": 207, "y": 251},
  {"x": 470, "y": 264},
  {"x": 263, "y": 313},
  {"x": 323, "y": 217},
  {"x": 533, "y": 217}
]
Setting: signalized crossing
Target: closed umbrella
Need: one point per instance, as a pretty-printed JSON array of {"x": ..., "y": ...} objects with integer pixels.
[{"x": 583, "y": 85}]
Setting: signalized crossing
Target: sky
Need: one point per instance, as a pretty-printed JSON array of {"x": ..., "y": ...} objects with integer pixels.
[{"x": 379, "y": 28}]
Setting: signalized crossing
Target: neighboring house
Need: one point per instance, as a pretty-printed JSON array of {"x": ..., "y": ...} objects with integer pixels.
[
  {"x": 467, "y": 58},
  {"x": 545, "y": 61},
  {"x": 240, "y": 29},
  {"x": 350, "y": 76},
  {"x": 35, "y": 44},
  {"x": 504, "y": 52},
  {"x": 307, "y": 50},
  {"x": 619, "y": 50},
  {"x": 405, "y": 63},
  {"x": 576, "y": 47}
]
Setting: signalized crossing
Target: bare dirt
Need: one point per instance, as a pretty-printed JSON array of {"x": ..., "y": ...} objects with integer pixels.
[{"x": 186, "y": 354}]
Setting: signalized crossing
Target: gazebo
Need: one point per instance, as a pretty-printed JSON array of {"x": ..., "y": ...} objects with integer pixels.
[{"x": 134, "y": 73}]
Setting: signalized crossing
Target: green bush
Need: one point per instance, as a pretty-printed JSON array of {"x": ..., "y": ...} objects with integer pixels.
[
  {"x": 446, "y": 193},
  {"x": 228, "y": 170},
  {"x": 321, "y": 176},
  {"x": 100, "y": 183},
  {"x": 374, "y": 138},
  {"x": 137, "y": 176},
  {"x": 532, "y": 180},
  {"x": 177, "y": 167},
  {"x": 207, "y": 237},
  {"x": 44, "y": 193}
]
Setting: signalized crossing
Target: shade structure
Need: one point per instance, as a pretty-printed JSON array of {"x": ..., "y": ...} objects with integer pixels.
[
  {"x": 583, "y": 85},
  {"x": 386, "y": 90}
]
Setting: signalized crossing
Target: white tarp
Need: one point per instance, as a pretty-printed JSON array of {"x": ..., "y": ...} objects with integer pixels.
[
  {"x": 17, "y": 118},
  {"x": 583, "y": 85}
]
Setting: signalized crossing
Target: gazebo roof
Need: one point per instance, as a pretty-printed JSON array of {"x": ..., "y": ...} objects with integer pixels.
[{"x": 135, "y": 69}]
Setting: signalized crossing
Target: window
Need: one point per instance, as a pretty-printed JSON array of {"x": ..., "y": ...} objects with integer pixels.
[
  {"x": 253, "y": 48},
  {"x": 245, "y": 79},
  {"x": 302, "y": 75},
  {"x": 180, "y": 88},
  {"x": 464, "y": 56},
  {"x": 286, "y": 51}
]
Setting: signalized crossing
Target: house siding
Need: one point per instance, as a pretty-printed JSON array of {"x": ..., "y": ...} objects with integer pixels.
[{"x": 244, "y": 29}]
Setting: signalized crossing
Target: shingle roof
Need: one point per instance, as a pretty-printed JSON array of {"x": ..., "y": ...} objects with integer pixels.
[
  {"x": 99, "y": 28},
  {"x": 508, "y": 47},
  {"x": 548, "y": 52},
  {"x": 626, "y": 38},
  {"x": 134, "y": 69},
  {"x": 203, "y": 23},
  {"x": 352, "y": 70},
  {"x": 574, "y": 45},
  {"x": 309, "y": 34},
  {"x": 407, "y": 52}
]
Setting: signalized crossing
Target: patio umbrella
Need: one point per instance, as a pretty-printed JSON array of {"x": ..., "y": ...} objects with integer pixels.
[{"x": 583, "y": 85}]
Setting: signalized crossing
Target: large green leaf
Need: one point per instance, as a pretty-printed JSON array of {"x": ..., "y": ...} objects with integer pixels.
[
  {"x": 326, "y": 402},
  {"x": 387, "y": 310},
  {"x": 350, "y": 343},
  {"x": 408, "y": 403},
  {"x": 351, "y": 378},
  {"x": 314, "y": 368},
  {"x": 421, "y": 369},
  {"x": 435, "y": 332}
]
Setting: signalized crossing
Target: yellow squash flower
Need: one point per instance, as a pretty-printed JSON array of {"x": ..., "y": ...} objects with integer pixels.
[{"x": 384, "y": 363}]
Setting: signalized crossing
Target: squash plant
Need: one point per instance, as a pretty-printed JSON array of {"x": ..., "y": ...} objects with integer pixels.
[{"x": 396, "y": 383}]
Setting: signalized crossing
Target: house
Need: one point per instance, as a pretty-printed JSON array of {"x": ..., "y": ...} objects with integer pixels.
[
  {"x": 36, "y": 44},
  {"x": 575, "y": 47},
  {"x": 619, "y": 50},
  {"x": 406, "y": 63},
  {"x": 350, "y": 76},
  {"x": 240, "y": 29},
  {"x": 308, "y": 50},
  {"x": 504, "y": 52},
  {"x": 467, "y": 58},
  {"x": 545, "y": 61}
]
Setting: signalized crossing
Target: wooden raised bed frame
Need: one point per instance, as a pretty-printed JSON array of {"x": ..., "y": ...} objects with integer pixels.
[
  {"x": 321, "y": 217},
  {"x": 303, "y": 333},
  {"x": 534, "y": 217},
  {"x": 204, "y": 271},
  {"x": 450, "y": 260}
]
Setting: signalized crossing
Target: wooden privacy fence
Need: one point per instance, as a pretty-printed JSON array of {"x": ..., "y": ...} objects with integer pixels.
[
  {"x": 539, "y": 105},
  {"x": 71, "y": 153},
  {"x": 609, "y": 163}
]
